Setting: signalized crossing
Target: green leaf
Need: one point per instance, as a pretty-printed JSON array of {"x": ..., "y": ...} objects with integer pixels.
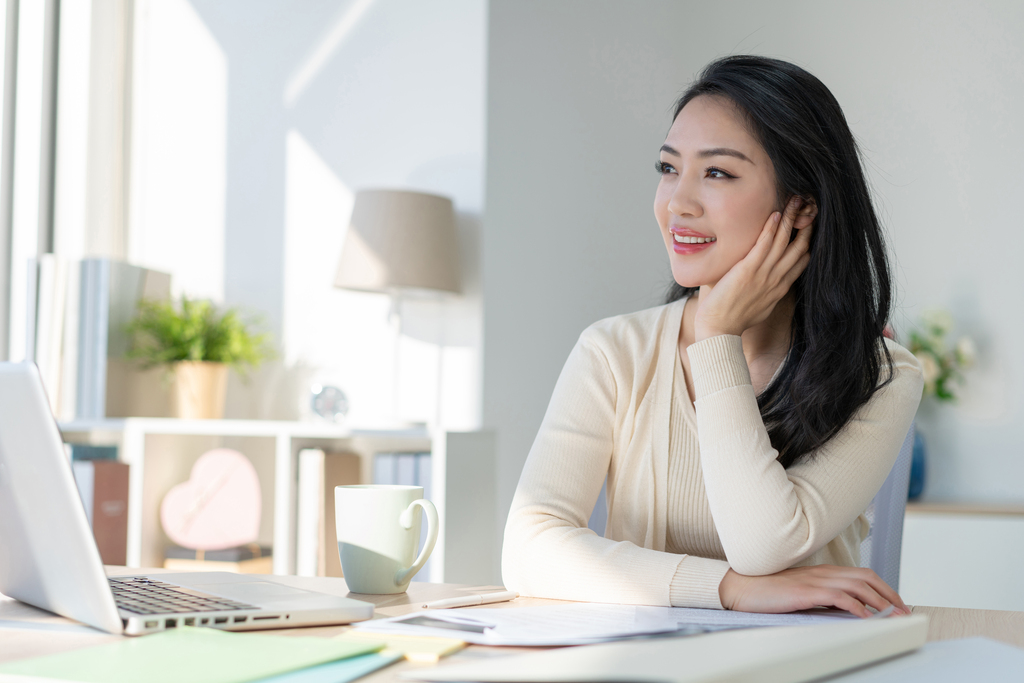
[{"x": 194, "y": 330}]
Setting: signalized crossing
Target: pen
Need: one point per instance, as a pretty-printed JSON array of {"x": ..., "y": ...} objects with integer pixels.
[{"x": 470, "y": 600}]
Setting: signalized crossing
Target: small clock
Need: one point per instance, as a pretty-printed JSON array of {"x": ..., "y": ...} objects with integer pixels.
[{"x": 328, "y": 402}]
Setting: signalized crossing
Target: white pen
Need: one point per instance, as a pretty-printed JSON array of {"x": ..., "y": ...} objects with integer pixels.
[{"x": 470, "y": 600}]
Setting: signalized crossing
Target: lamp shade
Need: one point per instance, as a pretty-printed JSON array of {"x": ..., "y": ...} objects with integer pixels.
[{"x": 400, "y": 240}]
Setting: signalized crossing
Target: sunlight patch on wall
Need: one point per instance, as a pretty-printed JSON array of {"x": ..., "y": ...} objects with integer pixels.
[
  {"x": 179, "y": 150},
  {"x": 314, "y": 62},
  {"x": 338, "y": 336}
]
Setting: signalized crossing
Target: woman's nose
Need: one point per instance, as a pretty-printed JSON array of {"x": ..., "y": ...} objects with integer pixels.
[{"x": 684, "y": 200}]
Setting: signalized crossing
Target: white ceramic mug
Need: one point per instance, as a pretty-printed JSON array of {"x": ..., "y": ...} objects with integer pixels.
[{"x": 378, "y": 533}]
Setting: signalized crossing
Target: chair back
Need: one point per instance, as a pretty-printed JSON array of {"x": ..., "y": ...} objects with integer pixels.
[{"x": 881, "y": 549}]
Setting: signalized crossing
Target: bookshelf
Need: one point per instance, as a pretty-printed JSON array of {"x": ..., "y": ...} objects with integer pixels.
[{"x": 161, "y": 452}]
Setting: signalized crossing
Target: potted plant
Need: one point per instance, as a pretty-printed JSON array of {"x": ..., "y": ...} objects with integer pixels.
[{"x": 198, "y": 343}]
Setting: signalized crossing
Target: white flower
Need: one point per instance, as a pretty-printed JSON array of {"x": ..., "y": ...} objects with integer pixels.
[
  {"x": 966, "y": 352},
  {"x": 929, "y": 368},
  {"x": 937, "y": 319}
]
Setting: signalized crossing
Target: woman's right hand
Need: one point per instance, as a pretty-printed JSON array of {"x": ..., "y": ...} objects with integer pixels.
[{"x": 848, "y": 588}]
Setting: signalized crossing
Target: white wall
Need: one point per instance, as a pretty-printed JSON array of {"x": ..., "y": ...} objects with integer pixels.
[
  {"x": 255, "y": 123},
  {"x": 579, "y": 99}
]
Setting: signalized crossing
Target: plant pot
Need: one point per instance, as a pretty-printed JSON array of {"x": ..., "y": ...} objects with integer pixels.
[{"x": 200, "y": 389}]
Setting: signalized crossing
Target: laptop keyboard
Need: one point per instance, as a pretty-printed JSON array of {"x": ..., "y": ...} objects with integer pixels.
[{"x": 140, "y": 595}]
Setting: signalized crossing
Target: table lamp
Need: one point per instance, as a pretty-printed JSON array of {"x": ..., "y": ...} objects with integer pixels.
[{"x": 400, "y": 241}]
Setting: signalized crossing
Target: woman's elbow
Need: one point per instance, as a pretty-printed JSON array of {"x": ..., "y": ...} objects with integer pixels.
[
  {"x": 757, "y": 566},
  {"x": 762, "y": 559}
]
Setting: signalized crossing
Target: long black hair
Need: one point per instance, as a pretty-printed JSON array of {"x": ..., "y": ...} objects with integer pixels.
[{"x": 837, "y": 355}]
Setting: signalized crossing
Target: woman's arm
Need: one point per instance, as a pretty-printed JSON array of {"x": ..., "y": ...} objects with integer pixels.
[
  {"x": 548, "y": 549},
  {"x": 770, "y": 518}
]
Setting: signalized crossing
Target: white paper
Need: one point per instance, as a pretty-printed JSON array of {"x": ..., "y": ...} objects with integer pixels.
[{"x": 581, "y": 623}]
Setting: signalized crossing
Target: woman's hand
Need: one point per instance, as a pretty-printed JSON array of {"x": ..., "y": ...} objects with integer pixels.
[
  {"x": 848, "y": 588},
  {"x": 747, "y": 294}
]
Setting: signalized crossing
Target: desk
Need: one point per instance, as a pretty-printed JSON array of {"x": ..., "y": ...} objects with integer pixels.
[{"x": 38, "y": 632}]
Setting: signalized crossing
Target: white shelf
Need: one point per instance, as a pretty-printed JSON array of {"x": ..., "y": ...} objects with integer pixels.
[
  {"x": 166, "y": 425},
  {"x": 288, "y": 437}
]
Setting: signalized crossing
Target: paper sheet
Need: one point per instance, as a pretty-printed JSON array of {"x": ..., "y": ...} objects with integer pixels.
[
  {"x": 195, "y": 655},
  {"x": 580, "y": 623}
]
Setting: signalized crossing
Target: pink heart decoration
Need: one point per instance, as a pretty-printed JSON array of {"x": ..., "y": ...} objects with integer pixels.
[{"x": 218, "y": 507}]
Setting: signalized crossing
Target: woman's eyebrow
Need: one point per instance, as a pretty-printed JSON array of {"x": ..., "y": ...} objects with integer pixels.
[
  {"x": 723, "y": 151},
  {"x": 713, "y": 152}
]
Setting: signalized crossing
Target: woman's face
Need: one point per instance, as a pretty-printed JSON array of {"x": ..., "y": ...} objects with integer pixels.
[{"x": 717, "y": 190}]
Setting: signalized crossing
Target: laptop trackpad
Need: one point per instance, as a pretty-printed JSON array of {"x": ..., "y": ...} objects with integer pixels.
[{"x": 251, "y": 591}]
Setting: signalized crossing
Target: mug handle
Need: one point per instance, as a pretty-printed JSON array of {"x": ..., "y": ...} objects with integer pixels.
[{"x": 406, "y": 520}]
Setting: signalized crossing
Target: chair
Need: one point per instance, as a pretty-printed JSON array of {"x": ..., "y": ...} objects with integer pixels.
[{"x": 881, "y": 549}]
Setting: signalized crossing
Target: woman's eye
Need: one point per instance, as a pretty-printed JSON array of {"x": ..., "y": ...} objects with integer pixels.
[
  {"x": 713, "y": 172},
  {"x": 663, "y": 168}
]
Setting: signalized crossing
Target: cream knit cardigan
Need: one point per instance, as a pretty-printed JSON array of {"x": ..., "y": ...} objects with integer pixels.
[{"x": 609, "y": 417}]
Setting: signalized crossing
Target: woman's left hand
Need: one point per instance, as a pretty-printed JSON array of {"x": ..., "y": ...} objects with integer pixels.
[
  {"x": 747, "y": 294},
  {"x": 849, "y": 588}
]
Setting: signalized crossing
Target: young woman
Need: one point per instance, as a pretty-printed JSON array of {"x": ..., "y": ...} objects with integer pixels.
[{"x": 745, "y": 426}]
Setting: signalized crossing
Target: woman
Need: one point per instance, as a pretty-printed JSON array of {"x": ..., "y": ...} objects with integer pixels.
[{"x": 745, "y": 426}]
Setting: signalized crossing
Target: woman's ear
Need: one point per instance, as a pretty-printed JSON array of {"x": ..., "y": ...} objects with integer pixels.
[{"x": 805, "y": 216}]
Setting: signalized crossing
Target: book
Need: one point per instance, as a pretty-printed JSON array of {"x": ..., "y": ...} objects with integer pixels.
[
  {"x": 316, "y": 538},
  {"x": 107, "y": 384},
  {"x": 103, "y": 486},
  {"x": 81, "y": 451},
  {"x": 77, "y": 314},
  {"x": 44, "y": 325},
  {"x": 66, "y": 409}
]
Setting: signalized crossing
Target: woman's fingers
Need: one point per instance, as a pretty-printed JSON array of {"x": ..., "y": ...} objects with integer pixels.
[
  {"x": 782, "y": 234},
  {"x": 844, "y": 600},
  {"x": 864, "y": 585},
  {"x": 795, "y": 271},
  {"x": 866, "y": 594},
  {"x": 762, "y": 248},
  {"x": 885, "y": 590},
  {"x": 790, "y": 252}
]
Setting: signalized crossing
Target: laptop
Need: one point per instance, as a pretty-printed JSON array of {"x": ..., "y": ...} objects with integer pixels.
[{"x": 49, "y": 559}]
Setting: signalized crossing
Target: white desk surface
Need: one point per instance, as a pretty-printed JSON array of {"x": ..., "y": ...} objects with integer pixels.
[{"x": 28, "y": 632}]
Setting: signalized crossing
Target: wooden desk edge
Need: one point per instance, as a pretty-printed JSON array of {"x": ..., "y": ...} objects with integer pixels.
[{"x": 947, "y": 623}]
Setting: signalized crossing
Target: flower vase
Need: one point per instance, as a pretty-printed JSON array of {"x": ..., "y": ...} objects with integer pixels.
[
  {"x": 200, "y": 390},
  {"x": 918, "y": 467}
]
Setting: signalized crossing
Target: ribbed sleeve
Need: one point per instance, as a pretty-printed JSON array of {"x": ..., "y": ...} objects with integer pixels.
[
  {"x": 696, "y": 581},
  {"x": 717, "y": 364}
]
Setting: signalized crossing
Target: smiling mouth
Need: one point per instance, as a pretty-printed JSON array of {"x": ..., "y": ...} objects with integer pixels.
[{"x": 687, "y": 239}]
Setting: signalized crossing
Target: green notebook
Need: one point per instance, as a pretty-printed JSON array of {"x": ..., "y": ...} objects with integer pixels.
[{"x": 195, "y": 655}]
